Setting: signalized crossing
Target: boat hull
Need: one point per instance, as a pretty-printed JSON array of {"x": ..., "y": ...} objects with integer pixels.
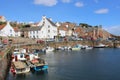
[
  {"x": 75, "y": 48},
  {"x": 40, "y": 68}
]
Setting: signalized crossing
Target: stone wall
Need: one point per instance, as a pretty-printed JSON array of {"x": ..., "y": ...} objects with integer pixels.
[
  {"x": 70, "y": 43},
  {"x": 5, "y": 64}
]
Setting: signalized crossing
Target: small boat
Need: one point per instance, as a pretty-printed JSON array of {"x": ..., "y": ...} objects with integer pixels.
[
  {"x": 87, "y": 47},
  {"x": 60, "y": 48},
  {"x": 39, "y": 64},
  {"x": 117, "y": 46},
  {"x": 100, "y": 46},
  {"x": 67, "y": 47},
  {"x": 16, "y": 51},
  {"x": 64, "y": 48},
  {"x": 76, "y": 47},
  {"x": 49, "y": 49},
  {"x": 19, "y": 67}
]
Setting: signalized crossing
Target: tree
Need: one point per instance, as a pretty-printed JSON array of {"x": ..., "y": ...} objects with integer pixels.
[
  {"x": 84, "y": 25},
  {"x": 1, "y": 23},
  {"x": 25, "y": 26}
]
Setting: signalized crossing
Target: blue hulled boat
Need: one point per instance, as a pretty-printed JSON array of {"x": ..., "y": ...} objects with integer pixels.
[{"x": 39, "y": 64}]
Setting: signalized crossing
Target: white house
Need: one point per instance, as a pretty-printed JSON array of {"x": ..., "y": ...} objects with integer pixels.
[
  {"x": 2, "y": 19},
  {"x": 34, "y": 32},
  {"x": 17, "y": 32},
  {"x": 7, "y": 30},
  {"x": 62, "y": 33},
  {"x": 46, "y": 29}
]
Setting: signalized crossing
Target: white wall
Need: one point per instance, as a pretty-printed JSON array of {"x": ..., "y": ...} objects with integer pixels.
[
  {"x": 62, "y": 33},
  {"x": 7, "y": 31},
  {"x": 17, "y": 34},
  {"x": 47, "y": 30},
  {"x": 34, "y": 34}
]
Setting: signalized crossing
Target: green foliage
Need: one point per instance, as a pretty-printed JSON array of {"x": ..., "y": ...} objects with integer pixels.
[
  {"x": 13, "y": 24},
  {"x": 25, "y": 26},
  {"x": 2, "y": 23},
  {"x": 84, "y": 25}
]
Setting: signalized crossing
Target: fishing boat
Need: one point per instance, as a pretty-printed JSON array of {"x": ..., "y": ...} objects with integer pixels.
[
  {"x": 38, "y": 64},
  {"x": 18, "y": 57},
  {"x": 19, "y": 67}
]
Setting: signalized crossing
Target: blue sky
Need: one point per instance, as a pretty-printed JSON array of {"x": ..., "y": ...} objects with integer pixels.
[{"x": 93, "y": 12}]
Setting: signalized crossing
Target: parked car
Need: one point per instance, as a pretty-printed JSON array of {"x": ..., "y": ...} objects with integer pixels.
[
  {"x": 5, "y": 41},
  {"x": 50, "y": 40},
  {"x": 40, "y": 41},
  {"x": 1, "y": 45}
]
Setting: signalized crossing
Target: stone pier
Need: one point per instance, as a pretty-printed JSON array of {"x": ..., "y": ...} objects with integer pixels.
[{"x": 5, "y": 63}]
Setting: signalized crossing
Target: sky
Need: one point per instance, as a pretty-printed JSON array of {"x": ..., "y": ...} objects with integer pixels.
[{"x": 92, "y": 12}]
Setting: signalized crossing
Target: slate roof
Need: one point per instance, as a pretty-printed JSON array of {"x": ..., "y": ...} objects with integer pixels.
[
  {"x": 31, "y": 28},
  {"x": 35, "y": 28},
  {"x": 53, "y": 24},
  {"x": 2, "y": 26}
]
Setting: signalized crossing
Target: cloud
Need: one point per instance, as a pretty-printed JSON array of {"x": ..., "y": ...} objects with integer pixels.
[
  {"x": 79, "y": 4},
  {"x": 102, "y": 11},
  {"x": 66, "y": 1},
  {"x": 46, "y": 2},
  {"x": 113, "y": 30}
]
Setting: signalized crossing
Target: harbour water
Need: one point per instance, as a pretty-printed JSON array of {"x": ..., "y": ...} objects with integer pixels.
[{"x": 95, "y": 64}]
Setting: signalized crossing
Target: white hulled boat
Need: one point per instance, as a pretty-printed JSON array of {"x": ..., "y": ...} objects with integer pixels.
[{"x": 19, "y": 67}]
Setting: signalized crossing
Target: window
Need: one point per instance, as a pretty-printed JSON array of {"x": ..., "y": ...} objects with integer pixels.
[
  {"x": 37, "y": 32},
  {"x": 10, "y": 34},
  {"x": 10, "y": 31},
  {"x": 48, "y": 26},
  {"x": 48, "y": 36},
  {"x": 21, "y": 56},
  {"x": 33, "y": 32},
  {"x": 37, "y": 36},
  {"x": 48, "y": 31}
]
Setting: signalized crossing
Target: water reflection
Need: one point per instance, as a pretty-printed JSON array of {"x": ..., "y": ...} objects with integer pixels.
[{"x": 95, "y": 64}]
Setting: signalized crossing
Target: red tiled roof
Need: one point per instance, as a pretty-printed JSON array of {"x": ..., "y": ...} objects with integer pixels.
[
  {"x": 78, "y": 29},
  {"x": 16, "y": 29},
  {"x": 2, "y": 26},
  {"x": 63, "y": 28},
  {"x": 70, "y": 25},
  {"x": 1, "y": 16}
]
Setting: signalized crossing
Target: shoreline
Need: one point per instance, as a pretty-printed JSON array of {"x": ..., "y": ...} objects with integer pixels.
[{"x": 69, "y": 43}]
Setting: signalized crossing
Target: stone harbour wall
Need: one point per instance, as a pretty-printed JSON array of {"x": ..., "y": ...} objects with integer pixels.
[{"x": 5, "y": 64}]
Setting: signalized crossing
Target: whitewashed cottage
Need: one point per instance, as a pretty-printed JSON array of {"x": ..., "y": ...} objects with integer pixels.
[
  {"x": 61, "y": 31},
  {"x": 46, "y": 29},
  {"x": 7, "y": 30},
  {"x": 2, "y": 19}
]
